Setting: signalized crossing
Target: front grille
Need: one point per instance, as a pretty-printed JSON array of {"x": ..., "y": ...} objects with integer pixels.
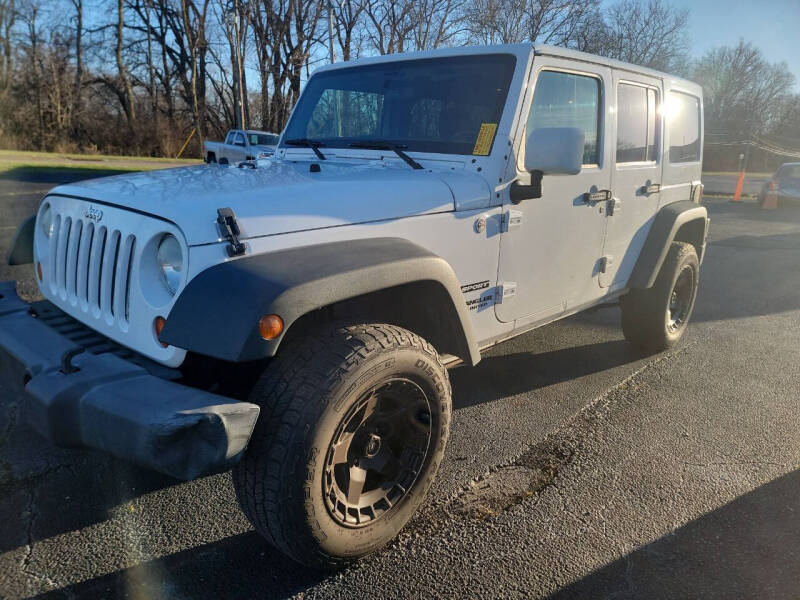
[
  {"x": 90, "y": 265},
  {"x": 94, "y": 342}
]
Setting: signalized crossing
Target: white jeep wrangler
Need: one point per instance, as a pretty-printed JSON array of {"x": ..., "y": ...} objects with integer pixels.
[{"x": 294, "y": 317}]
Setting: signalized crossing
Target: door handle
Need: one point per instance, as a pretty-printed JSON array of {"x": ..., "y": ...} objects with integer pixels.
[
  {"x": 598, "y": 196},
  {"x": 651, "y": 188}
]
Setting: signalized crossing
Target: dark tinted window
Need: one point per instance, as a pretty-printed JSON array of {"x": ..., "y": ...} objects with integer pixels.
[
  {"x": 683, "y": 113},
  {"x": 449, "y": 105},
  {"x": 637, "y": 124},
  {"x": 568, "y": 100},
  {"x": 262, "y": 139}
]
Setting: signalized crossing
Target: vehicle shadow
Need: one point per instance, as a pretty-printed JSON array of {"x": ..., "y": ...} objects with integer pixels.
[
  {"x": 511, "y": 374},
  {"x": 745, "y": 549},
  {"x": 234, "y": 567}
]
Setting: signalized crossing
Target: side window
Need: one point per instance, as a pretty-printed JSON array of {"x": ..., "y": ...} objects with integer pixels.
[
  {"x": 683, "y": 115},
  {"x": 238, "y": 139},
  {"x": 637, "y": 124},
  {"x": 229, "y": 138},
  {"x": 568, "y": 100}
]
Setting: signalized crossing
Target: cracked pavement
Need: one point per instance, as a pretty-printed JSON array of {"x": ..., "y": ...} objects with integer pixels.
[{"x": 575, "y": 469}]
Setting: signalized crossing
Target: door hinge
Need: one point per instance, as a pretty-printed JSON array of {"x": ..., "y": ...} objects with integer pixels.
[
  {"x": 605, "y": 263},
  {"x": 613, "y": 207},
  {"x": 511, "y": 220},
  {"x": 507, "y": 290}
]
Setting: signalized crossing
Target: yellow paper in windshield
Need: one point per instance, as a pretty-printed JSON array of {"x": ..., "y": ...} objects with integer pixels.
[{"x": 485, "y": 137}]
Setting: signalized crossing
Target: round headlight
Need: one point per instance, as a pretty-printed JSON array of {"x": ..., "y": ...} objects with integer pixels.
[
  {"x": 46, "y": 221},
  {"x": 170, "y": 261}
]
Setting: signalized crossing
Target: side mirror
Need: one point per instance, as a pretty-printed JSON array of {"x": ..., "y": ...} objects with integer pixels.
[{"x": 554, "y": 150}]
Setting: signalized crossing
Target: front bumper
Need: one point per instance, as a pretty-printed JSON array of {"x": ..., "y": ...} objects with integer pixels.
[{"x": 76, "y": 398}]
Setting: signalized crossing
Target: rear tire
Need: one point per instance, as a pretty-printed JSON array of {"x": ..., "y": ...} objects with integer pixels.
[
  {"x": 654, "y": 319},
  {"x": 354, "y": 423}
]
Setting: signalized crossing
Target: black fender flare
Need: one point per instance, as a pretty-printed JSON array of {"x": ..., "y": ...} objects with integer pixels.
[
  {"x": 21, "y": 252},
  {"x": 217, "y": 313},
  {"x": 665, "y": 229}
]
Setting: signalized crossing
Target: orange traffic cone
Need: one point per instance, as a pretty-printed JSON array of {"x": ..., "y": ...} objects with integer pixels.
[
  {"x": 737, "y": 195},
  {"x": 770, "y": 199}
]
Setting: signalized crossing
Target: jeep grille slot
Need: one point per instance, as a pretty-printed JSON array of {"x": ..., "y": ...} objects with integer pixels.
[
  {"x": 82, "y": 266},
  {"x": 107, "y": 275},
  {"x": 90, "y": 266}
]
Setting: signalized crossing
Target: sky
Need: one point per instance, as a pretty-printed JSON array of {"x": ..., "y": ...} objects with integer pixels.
[{"x": 772, "y": 25}]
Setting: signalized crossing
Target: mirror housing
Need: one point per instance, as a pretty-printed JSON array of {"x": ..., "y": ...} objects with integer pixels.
[{"x": 554, "y": 150}]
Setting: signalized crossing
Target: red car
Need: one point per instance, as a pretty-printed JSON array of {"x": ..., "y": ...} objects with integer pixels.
[{"x": 785, "y": 182}]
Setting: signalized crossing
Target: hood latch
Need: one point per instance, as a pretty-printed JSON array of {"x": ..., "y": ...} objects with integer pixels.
[{"x": 229, "y": 229}]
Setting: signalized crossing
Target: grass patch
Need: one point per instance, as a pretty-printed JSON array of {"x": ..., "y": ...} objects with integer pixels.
[
  {"x": 92, "y": 169},
  {"x": 19, "y": 156}
]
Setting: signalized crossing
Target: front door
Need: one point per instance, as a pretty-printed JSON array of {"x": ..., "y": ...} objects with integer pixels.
[
  {"x": 552, "y": 256},
  {"x": 636, "y": 176}
]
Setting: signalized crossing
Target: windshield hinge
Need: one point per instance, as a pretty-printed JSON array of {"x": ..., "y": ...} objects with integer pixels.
[{"x": 229, "y": 230}]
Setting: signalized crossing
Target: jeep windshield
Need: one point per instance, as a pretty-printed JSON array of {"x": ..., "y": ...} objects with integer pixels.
[{"x": 448, "y": 105}]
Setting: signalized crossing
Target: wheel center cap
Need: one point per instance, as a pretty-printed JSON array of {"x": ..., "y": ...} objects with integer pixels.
[{"x": 373, "y": 446}]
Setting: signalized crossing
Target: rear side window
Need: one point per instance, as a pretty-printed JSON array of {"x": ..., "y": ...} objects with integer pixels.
[
  {"x": 683, "y": 114},
  {"x": 637, "y": 124},
  {"x": 568, "y": 100}
]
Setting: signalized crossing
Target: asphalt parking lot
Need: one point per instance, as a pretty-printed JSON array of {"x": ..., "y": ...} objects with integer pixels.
[{"x": 576, "y": 469}]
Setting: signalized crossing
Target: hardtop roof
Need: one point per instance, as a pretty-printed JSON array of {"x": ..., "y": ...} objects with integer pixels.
[{"x": 519, "y": 50}]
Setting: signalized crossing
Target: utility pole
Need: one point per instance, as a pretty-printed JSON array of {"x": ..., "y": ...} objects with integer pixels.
[
  {"x": 234, "y": 19},
  {"x": 330, "y": 31}
]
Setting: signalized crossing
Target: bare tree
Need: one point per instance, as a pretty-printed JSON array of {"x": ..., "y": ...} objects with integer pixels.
[
  {"x": 348, "y": 19},
  {"x": 194, "y": 13},
  {"x": 743, "y": 93},
  {"x": 651, "y": 33},
  {"x": 391, "y": 24},
  {"x": 560, "y": 22},
  {"x": 436, "y": 23},
  {"x": 126, "y": 91},
  {"x": 77, "y": 92},
  {"x": 8, "y": 16}
]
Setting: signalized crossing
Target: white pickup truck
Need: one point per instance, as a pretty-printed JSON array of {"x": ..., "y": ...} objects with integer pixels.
[{"x": 241, "y": 144}]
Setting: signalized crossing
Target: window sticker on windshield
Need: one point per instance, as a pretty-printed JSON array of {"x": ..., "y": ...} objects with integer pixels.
[{"x": 485, "y": 138}]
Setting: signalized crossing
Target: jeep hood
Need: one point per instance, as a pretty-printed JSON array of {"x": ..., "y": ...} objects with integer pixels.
[{"x": 278, "y": 196}]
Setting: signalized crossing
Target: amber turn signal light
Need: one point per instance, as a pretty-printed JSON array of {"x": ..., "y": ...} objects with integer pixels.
[
  {"x": 270, "y": 326},
  {"x": 158, "y": 324}
]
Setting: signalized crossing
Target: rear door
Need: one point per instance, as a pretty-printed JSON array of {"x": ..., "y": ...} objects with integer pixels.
[{"x": 636, "y": 175}]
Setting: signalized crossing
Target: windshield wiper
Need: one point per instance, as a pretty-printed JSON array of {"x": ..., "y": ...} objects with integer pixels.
[
  {"x": 313, "y": 144},
  {"x": 385, "y": 145}
]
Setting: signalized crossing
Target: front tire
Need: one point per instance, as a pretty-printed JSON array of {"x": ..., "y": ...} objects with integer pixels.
[
  {"x": 353, "y": 426},
  {"x": 654, "y": 319}
]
